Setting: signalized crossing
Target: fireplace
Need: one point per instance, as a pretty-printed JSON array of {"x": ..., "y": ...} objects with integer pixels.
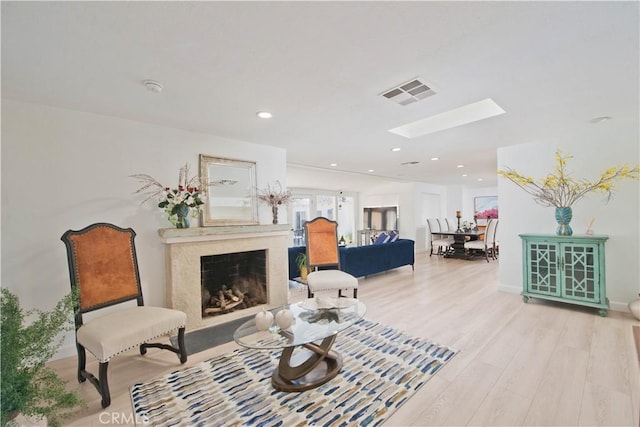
[
  {"x": 185, "y": 248},
  {"x": 232, "y": 282}
]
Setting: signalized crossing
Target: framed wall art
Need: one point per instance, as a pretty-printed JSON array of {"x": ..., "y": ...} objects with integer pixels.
[
  {"x": 230, "y": 187},
  {"x": 485, "y": 207}
]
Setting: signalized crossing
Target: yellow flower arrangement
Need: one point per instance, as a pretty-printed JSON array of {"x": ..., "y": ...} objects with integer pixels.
[{"x": 559, "y": 189}]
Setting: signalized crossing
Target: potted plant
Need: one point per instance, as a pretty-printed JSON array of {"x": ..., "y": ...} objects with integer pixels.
[
  {"x": 29, "y": 387},
  {"x": 301, "y": 262}
]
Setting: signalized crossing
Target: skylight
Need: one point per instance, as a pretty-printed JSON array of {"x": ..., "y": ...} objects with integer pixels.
[{"x": 449, "y": 119}]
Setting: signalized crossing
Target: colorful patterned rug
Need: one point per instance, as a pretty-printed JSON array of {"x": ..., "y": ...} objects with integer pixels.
[{"x": 382, "y": 369}]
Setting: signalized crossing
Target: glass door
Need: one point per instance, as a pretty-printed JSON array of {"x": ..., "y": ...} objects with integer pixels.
[
  {"x": 306, "y": 206},
  {"x": 301, "y": 212},
  {"x": 326, "y": 207}
]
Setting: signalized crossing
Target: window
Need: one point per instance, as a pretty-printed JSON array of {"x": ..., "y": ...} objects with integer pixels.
[{"x": 307, "y": 204}]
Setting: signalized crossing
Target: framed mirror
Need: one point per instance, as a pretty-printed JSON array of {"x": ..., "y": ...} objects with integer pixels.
[{"x": 230, "y": 187}]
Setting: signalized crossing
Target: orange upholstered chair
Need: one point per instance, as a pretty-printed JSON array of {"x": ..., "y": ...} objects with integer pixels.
[
  {"x": 323, "y": 259},
  {"x": 103, "y": 269}
]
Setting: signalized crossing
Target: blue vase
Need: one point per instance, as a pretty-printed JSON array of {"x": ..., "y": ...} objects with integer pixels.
[
  {"x": 182, "y": 212},
  {"x": 563, "y": 217}
]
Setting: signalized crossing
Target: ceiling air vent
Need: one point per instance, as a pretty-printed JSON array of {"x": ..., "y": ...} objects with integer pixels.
[{"x": 409, "y": 92}]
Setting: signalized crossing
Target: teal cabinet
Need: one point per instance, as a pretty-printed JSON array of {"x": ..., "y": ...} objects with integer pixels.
[{"x": 568, "y": 269}]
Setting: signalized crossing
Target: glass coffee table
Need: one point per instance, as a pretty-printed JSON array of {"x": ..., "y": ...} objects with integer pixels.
[{"x": 305, "y": 364}]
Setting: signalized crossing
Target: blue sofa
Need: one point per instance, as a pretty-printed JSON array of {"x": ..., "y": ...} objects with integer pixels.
[{"x": 365, "y": 260}]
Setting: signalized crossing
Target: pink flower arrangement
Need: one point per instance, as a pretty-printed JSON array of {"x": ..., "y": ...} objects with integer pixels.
[{"x": 178, "y": 203}]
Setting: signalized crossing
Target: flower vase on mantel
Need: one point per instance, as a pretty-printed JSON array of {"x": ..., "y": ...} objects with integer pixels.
[
  {"x": 274, "y": 212},
  {"x": 182, "y": 212},
  {"x": 177, "y": 203},
  {"x": 563, "y": 217}
]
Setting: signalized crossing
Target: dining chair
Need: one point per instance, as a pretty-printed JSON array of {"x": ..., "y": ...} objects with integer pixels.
[
  {"x": 438, "y": 241},
  {"x": 486, "y": 245},
  {"x": 103, "y": 269},
  {"x": 496, "y": 240},
  {"x": 451, "y": 224},
  {"x": 323, "y": 259}
]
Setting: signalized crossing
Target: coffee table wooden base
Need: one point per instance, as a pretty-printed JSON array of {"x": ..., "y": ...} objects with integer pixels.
[{"x": 320, "y": 365}]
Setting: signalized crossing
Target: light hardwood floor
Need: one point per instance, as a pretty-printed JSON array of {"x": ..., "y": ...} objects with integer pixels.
[{"x": 537, "y": 364}]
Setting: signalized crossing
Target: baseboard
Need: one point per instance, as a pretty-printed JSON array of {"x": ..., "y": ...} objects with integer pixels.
[
  {"x": 65, "y": 351},
  {"x": 510, "y": 289},
  {"x": 619, "y": 306},
  {"x": 613, "y": 305}
]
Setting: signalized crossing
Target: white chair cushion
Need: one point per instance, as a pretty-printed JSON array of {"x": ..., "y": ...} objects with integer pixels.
[
  {"x": 442, "y": 242},
  {"x": 323, "y": 280},
  {"x": 475, "y": 244},
  {"x": 121, "y": 330}
]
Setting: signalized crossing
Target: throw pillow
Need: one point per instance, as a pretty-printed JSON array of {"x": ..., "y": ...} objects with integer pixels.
[
  {"x": 380, "y": 239},
  {"x": 393, "y": 236}
]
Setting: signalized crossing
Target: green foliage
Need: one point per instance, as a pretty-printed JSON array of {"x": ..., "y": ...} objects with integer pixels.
[
  {"x": 301, "y": 261},
  {"x": 26, "y": 384}
]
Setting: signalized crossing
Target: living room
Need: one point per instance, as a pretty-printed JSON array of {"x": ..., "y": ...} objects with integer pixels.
[{"x": 65, "y": 165}]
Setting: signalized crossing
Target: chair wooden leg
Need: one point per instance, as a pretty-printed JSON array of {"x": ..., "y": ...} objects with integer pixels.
[
  {"x": 339, "y": 293},
  {"x": 82, "y": 362},
  {"x": 101, "y": 383},
  {"x": 104, "y": 384},
  {"x": 355, "y": 290},
  {"x": 309, "y": 293},
  {"x": 180, "y": 351},
  {"x": 181, "y": 346}
]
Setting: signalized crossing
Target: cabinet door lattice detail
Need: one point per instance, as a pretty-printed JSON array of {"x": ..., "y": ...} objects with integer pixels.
[
  {"x": 543, "y": 268},
  {"x": 580, "y": 272}
]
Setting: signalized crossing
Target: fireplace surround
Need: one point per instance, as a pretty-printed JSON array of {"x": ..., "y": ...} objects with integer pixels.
[{"x": 185, "y": 247}]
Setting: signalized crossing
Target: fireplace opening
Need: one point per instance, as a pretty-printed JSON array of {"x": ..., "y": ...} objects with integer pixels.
[{"x": 234, "y": 281}]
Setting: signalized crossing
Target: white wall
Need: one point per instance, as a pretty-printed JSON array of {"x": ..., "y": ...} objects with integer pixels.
[
  {"x": 64, "y": 169},
  {"x": 423, "y": 193},
  {"x": 307, "y": 177},
  {"x": 619, "y": 219}
]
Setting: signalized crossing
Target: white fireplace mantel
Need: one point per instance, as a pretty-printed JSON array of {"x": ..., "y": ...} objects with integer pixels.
[
  {"x": 198, "y": 234},
  {"x": 184, "y": 248}
]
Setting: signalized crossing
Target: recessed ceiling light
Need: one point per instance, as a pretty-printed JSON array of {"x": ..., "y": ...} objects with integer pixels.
[
  {"x": 333, "y": 165},
  {"x": 464, "y": 174},
  {"x": 153, "y": 85},
  {"x": 371, "y": 170},
  {"x": 460, "y": 166},
  {"x": 480, "y": 179},
  {"x": 434, "y": 158},
  {"x": 264, "y": 114},
  {"x": 597, "y": 120},
  {"x": 449, "y": 119},
  {"x": 395, "y": 149}
]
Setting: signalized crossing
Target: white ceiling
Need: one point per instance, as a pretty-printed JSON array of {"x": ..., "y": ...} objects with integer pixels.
[{"x": 319, "y": 67}]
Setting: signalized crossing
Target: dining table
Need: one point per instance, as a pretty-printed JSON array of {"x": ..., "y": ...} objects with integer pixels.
[{"x": 456, "y": 250}]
